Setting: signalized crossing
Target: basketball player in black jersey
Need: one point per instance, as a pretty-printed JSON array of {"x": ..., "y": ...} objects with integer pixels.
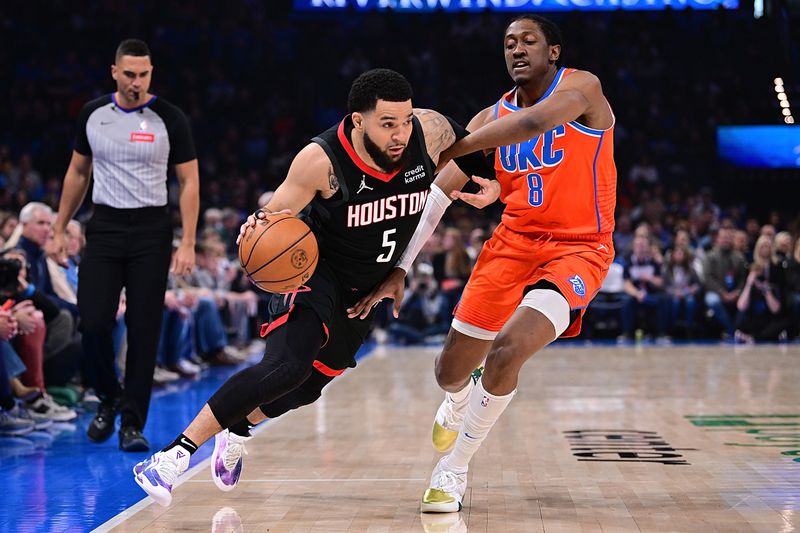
[{"x": 367, "y": 180}]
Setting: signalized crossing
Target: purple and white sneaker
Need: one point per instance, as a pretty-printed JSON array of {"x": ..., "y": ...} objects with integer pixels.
[
  {"x": 157, "y": 475},
  {"x": 226, "y": 462}
]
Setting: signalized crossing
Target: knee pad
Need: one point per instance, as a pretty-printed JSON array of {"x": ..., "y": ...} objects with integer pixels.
[
  {"x": 278, "y": 376},
  {"x": 552, "y": 305}
]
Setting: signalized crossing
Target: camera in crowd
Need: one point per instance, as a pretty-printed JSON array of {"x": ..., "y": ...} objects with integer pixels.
[{"x": 9, "y": 277}]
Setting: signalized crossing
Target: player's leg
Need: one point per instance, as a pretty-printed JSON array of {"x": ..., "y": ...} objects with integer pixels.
[
  {"x": 494, "y": 289},
  {"x": 345, "y": 338},
  {"x": 227, "y": 460},
  {"x": 566, "y": 282},
  {"x": 542, "y": 316},
  {"x": 288, "y": 360},
  {"x": 457, "y": 369}
]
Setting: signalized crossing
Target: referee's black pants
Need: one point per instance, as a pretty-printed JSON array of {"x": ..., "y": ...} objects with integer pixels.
[{"x": 128, "y": 248}]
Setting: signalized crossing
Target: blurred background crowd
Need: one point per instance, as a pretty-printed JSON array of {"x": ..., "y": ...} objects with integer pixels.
[{"x": 704, "y": 251}]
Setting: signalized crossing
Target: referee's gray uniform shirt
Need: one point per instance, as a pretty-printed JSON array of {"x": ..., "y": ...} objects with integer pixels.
[{"x": 131, "y": 150}]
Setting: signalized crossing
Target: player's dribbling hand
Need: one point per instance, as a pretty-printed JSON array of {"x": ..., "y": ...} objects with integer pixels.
[
  {"x": 255, "y": 217},
  {"x": 392, "y": 287},
  {"x": 489, "y": 193}
]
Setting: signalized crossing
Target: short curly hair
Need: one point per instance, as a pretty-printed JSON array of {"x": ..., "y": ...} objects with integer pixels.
[{"x": 377, "y": 84}]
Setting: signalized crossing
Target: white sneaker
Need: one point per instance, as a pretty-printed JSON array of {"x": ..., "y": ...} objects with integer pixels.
[
  {"x": 449, "y": 418},
  {"x": 158, "y": 474},
  {"x": 185, "y": 368},
  {"x": 46, "y": 407},
  {"x": 226, "y": 461},
  {"x": 446, "y": 491},
  {"x": 162, "y": 376}
]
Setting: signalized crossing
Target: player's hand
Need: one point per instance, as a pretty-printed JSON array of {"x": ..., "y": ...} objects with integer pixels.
[
  {"x": 251, "y": 221},
  {"x": 392, "y": 287},
  {"x": 59, "y": 247},
  {"x": 489, "y": 193},
  {"x": 183, "y": 260}
]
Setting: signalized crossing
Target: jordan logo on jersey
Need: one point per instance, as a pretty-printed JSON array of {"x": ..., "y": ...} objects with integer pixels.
[
  {"x": 398, "y": 205},
  {"x": 364, "y": 185},
  {"x": 524, "y": 156}
]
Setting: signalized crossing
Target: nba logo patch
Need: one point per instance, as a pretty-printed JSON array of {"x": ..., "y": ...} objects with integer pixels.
[
  {"x": 485, "y": 401},
  {"x": 578, "y": 285}
]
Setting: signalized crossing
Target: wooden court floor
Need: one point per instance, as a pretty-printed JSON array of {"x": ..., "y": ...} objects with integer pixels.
[{"x": 681, "y": 438}]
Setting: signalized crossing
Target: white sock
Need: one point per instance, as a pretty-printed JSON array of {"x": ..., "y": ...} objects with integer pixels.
[
  {"x": 461, "y": 396},
  {"x": 483, "y": 411}
]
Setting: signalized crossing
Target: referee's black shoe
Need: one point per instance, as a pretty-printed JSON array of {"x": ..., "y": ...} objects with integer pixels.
[
  {"x": 102, "y": 426},
  {"x": 132, "y": 440}
]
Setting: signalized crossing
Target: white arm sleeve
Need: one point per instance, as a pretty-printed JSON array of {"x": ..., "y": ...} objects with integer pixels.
[{"x": 435, "y": 206}]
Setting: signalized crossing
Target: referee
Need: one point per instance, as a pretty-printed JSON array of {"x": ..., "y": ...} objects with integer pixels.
[{"x": 130, "y": 137}]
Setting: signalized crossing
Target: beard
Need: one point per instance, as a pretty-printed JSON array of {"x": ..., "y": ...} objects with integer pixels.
[{"x": 381, "y": 158}]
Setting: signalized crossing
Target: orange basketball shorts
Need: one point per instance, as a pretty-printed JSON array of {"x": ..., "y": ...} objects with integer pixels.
[{"x": 510, "y": 262}]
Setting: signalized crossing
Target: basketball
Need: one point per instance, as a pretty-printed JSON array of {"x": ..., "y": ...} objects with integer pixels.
[{"x": 279, "y": 254}]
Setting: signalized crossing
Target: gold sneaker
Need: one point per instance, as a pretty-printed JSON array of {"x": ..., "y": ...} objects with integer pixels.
[
  {"x": 449, "y": 417},
  {"x": 446, "y": 491}
]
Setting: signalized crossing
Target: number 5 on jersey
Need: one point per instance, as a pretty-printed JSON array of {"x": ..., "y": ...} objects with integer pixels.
[
  {"x": 387, "y": 243},
  {"x": 535, "y": 190}
]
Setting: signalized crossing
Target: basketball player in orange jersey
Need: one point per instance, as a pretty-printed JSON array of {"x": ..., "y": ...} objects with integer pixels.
[
  {"x": 546, "y": 259},
  {"x": 366, "y": 180}
]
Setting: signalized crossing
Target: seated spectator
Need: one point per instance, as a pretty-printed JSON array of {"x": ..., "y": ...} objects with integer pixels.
[
  {"x": 605, "y": 311},
  {"x": 37, "y": 223},
  {"x": 684, "y": 240},
  {"x": 198, "y": 293},
  {"x": 52, "y": 352},
  {"x": 682, "y": 286},
  {"x": 175, "y": 345},
  {"x": 422, "y": 313},
  {"x": 762, "y": 313},
  {"x": 8, "y": 223},
  {"x": 724, "y": 277},
  {"x": 477, "y": 238},
  {"x": 741, "y": 245},
  {"x": 782, "y": 249},
  {"x": 623, "y": 235},
  {"x": 793, "y": 287},
  {"x": 645, "y": 284},
  {"x": 223, "y": 281},
  {"x": 75, "y": 243},
  {"x": 457, "y": 267}
]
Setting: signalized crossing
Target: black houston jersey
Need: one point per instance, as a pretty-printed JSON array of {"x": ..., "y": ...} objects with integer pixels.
[{"x": 365, "y": 226}]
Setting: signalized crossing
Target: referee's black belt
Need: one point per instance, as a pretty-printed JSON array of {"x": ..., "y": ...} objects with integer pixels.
[{"x": 130, "y": 214}]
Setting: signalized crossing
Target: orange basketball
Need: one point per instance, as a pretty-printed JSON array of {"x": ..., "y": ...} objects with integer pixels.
[{"x": 279, "y": 254}]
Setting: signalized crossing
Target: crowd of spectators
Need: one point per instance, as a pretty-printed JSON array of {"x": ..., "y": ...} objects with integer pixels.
[
  {"x": 209, "y": 319},
  {"x": 257, "y": 81}
]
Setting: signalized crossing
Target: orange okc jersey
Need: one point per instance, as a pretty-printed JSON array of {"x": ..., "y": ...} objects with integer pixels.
[{"x": 562, "y": 182}]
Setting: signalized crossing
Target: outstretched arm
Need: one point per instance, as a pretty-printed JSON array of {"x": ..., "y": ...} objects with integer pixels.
[
  {"x": 310, "y": 172},
  {"x": 579, "y": 95}
]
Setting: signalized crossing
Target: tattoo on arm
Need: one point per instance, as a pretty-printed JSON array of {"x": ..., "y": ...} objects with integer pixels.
[
  {"x": 332, "y": 181},
  {"x": 439, "y": 134}
]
